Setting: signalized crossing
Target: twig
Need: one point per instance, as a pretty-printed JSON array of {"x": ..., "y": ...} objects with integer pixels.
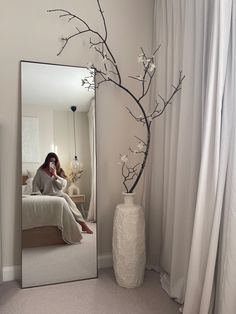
[{"x": 109, "y": 70}]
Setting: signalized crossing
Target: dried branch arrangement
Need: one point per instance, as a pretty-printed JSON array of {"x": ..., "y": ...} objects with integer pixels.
[
  {"x": 109, "y": 72},
  {"x": 73, "y": 177}
]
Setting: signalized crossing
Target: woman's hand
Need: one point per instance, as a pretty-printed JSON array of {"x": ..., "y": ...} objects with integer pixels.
[{"x": 53, "y": 171}]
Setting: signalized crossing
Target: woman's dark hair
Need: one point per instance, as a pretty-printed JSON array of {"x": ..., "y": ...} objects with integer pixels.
[{"x": 59, "y": 170}]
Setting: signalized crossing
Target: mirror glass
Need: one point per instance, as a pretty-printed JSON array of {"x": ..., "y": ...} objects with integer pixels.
[{"x": 58, "y": 174}]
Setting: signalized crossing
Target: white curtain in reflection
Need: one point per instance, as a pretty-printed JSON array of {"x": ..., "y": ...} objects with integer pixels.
[
  {"x": 92, "y": 140},
  {"x": 192, "y": 152},
  {"x": 1, "y": 274}
]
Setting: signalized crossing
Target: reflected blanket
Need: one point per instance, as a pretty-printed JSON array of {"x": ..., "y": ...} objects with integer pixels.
[{"x": 43, "y": 210}]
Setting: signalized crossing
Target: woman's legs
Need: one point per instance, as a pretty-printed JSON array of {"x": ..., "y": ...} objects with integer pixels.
[
  {"x": 76, "y": 213},
  {"x": 85, "y": 227}
]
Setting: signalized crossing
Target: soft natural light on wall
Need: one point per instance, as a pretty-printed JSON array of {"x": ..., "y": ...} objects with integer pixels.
[{"x": 54, "y": 148}]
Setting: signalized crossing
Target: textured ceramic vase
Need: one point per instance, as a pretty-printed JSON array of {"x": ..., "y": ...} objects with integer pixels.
[
  {"x": 128, "y": 243},
  {"x": 73, "y": 189}
]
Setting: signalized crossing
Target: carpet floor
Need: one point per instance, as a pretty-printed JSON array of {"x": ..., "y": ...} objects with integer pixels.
[
  {"x": 60, "y": 263},
  {"x": 95, "y": 296}
]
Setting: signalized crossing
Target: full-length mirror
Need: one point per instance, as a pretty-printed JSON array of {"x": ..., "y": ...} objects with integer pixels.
[{"x": 58, "y": 174}]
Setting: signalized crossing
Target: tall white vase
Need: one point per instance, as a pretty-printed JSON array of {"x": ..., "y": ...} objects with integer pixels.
[{"x": 128, "y": 243}]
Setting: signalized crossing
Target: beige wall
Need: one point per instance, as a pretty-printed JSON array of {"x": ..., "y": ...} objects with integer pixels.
[
  {"x": 45, "y": 117},
  {"x": 29, "y": 33},
  {"x": 64, "y": 140}
]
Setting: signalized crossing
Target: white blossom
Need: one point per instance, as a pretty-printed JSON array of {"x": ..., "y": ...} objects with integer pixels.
[
  {"x": 141, "y": 58},
  {"x": 104, "y": 57},
  {"x": 139, "y": 77},
  {"x": 89, "y": 65},
  {"x": 140, "y": 118},
  {"x": 124, "y": 158},
  {"x": 152, "y": 67},
  {"x": 140, "y": 145}
]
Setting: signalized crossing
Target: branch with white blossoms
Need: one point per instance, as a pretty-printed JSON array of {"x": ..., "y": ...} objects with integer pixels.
[
  {"x": 88, "y": 81},
  {"x": 100, "y": 45},
  {"x": 159, "y": 109},
  {"x": 108, "y": 72},
  {"x": 73, "y": 177},
  {"x": 128, "y": 173},
  {"x": 149, "y": 69},
  {"x": 141, "y": 147}
]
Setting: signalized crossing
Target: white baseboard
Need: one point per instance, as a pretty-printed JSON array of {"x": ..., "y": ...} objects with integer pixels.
[
  {"x": 153, "y": 267},
  {"x": 105, "y": 261},
  {"x": 11, "y": 273}
]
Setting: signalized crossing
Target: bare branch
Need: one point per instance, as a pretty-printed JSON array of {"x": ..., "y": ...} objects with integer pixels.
[
  {"x": 67, "y": 13},
  {"x": 103, "y": 18},
  {"x": 109, "y": 66},
  {"x": 136, "y": 151},
  {"x": 168, "y": 101},
  {"x": 138, "y": 78},
  {"x": 141, "y": 140},
  {"x": 138, "y": 119}
]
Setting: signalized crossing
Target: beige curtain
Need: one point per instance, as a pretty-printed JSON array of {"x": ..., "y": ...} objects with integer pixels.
[
  {"x": 226, "y": 274},
  {"x": 190, "y": 155},
  {"x": 177, "y": 140},
  {"x": 92, "y": 141},
  {"x": 1, "y": 267},
  {"x": 1, "y": 264}
]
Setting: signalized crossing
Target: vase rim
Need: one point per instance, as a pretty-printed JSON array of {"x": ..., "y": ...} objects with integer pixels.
[{"x": 128, "y": 194}]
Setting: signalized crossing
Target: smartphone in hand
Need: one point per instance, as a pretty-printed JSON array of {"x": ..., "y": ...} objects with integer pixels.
[{"x": 52, "y": 165}]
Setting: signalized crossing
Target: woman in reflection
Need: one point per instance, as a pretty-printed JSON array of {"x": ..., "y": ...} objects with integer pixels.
[{"x": 50, "y": 179}]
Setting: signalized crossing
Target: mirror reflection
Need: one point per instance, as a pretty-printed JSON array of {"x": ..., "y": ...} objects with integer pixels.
[{"x": 58, "y": 174}]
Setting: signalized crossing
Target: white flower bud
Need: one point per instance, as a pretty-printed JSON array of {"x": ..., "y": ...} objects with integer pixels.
[
  {"x": 141, "y": 58},
  {"x": 140, "y": 145},
  {"x": 124, "y": 158},
  {"x": 139, "y": 77},
  {"x": 89, "y": 65},
  {"x": 152, "y": 67}
]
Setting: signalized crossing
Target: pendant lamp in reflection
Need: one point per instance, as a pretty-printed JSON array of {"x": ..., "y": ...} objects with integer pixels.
[{"x": 76, "y": 166}]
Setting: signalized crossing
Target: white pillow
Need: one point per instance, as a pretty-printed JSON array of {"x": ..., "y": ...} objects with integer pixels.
[
  {"x": 24, "y": 186},
  {"x": 30, "y": 174},
  {"x": 28, "y": 187}
]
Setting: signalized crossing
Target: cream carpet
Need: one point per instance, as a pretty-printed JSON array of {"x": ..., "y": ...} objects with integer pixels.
[
  {"x": 94, "y": 296},
  {"x": 60, "y": 263}
]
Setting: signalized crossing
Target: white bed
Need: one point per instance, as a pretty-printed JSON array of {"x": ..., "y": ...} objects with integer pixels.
[{"x": 41, "y": 212}]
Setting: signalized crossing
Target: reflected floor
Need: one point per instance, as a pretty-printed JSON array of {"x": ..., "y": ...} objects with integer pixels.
[{"x": 60, "y": 263}]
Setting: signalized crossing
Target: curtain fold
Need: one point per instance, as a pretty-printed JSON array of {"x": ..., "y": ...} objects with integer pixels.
[
  {"x": 200, "y": 290},
  {"x": 92, "y": 141},
  {"x": 191, "y": 160},
  {"x": 177, "y": 139},
  {"x": 1, "y": 259},
  {"x": 1, "y": 267},
  {"x": 226, "y": 275}
]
